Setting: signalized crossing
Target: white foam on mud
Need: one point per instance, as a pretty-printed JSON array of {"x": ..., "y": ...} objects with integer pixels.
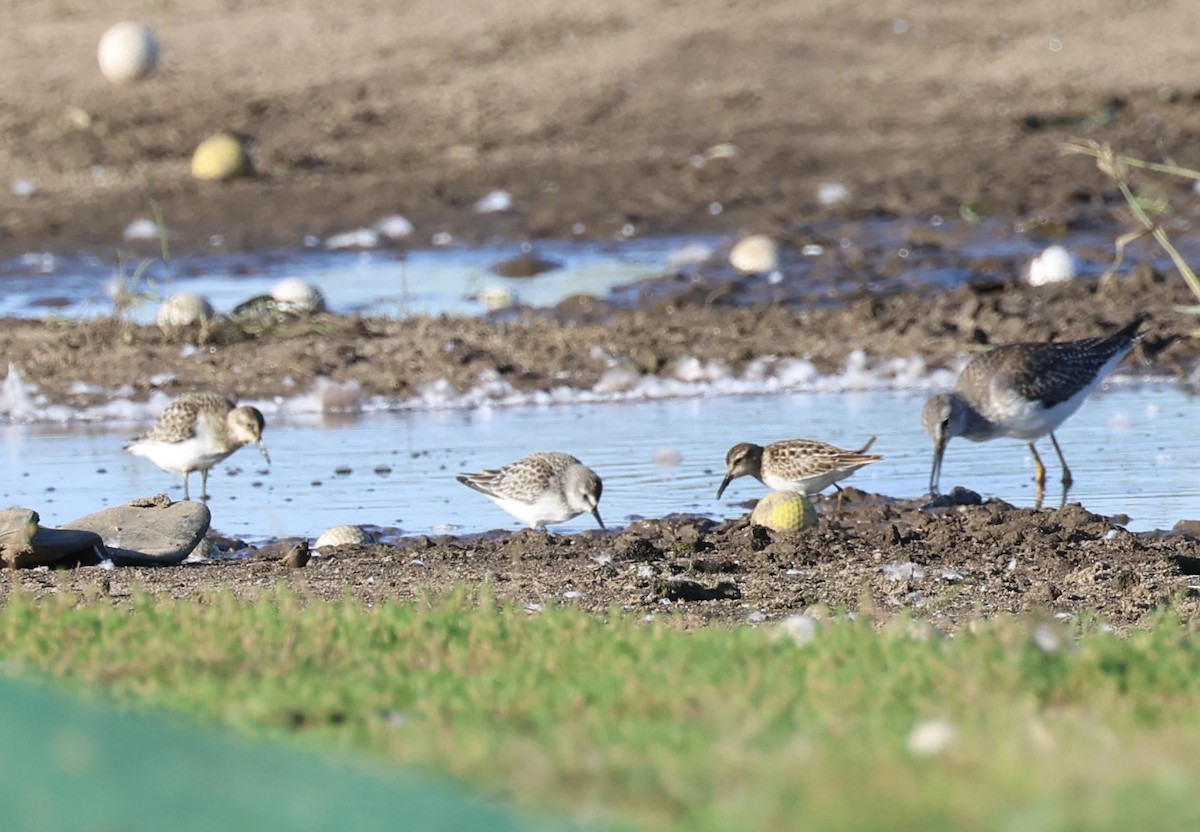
[{"x": 22, "y": 401}]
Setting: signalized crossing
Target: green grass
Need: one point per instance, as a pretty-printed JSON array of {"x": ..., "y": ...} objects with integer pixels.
[{"x": 655, "y": 728}]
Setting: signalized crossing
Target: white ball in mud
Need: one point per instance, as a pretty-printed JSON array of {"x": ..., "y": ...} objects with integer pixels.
[
  {"x": 755, "y": 254},
  {"x": 298, "y": 297},
  {"x": 1055, "y": 264},
  {"x": 184, "y": 309},
  {"x": 344, "y": 536},
  {"x": 127, "y": 52}
]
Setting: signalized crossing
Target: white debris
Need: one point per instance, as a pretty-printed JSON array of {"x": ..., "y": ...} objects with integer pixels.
[
  {"x": 1054, "y": 265},
  {"x": 906, "y": 571},
  {"x": 1049, "y": 638},
  {"x": 184, "y": 309},
  {"x": 496, "y": 296},
  {"x": 292, "y": 294},
  {"x": 359, "y": 238},
  {"x": 494, "y": 202},
  {"x": 141, "y": 229},
  {"x": 394, "y": 227},
  {"x": 798, "y": 629},
  {"x": 690, "y": 254},
  {"x": 832, "y": 193},
  {"x": 931, "y": 737}
]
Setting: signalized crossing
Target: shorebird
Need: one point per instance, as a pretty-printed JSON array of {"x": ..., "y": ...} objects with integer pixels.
[
  {"x": 1024, "y": 391},
  {"x": 542, "y": 488},
  {"x": 197, "y": 431},
  {"x": 804, "y": 466}
]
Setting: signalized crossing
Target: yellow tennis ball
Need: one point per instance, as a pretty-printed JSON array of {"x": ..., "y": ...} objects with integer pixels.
[
  {"x": 220, "y": 157},
  {"x": 784, "y": 511}
]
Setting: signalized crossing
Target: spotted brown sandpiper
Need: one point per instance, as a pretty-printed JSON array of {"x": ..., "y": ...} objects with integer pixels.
[
  {"x": 803, "y": 466},
  {"x": 542, "y": 488}
]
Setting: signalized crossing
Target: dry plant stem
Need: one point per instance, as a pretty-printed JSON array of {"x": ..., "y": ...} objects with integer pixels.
[
  {"x": 1116, "y": 166},
  {"x": 1119, "y": 257}
]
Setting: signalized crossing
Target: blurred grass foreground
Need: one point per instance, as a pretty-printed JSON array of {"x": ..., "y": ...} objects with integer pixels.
[{"x": 810, "y": 723}]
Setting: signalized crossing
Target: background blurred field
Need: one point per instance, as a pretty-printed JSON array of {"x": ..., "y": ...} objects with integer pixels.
[{"x": 597, "y": 112}]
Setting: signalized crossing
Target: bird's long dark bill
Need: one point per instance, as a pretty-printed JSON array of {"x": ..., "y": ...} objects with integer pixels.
[
  {"x": 262, "y": 447},
  {"x": 938, "y": 450},
  {"x": 596, "y": 514},
  {"x": 724, "y": 484}
]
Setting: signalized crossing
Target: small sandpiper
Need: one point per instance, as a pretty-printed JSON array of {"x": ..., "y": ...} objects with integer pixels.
[
  {"x": 197, "y": 431},
  {"x": 1024, "y": 391},
  {"x": 804, "y": 466},
  {"x": 544, "y": 487}
]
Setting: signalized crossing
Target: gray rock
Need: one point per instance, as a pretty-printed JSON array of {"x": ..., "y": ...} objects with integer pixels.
[
  {"x": 24, "y": 543},
  {"x": 148, "y": 532}
]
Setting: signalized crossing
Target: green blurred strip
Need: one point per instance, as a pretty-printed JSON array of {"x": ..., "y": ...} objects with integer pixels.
[{"x": 79, "y": 765}]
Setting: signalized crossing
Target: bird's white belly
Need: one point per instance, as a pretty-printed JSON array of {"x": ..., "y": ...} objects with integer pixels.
[
  {"x": 806, "y": 485},
  {"x": 549, "y": 508},
  {"x": 1024, "y": 419},
  {"x": 193, "y": 454}
]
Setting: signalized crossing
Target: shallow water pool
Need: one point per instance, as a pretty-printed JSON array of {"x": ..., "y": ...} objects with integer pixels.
[{"x": 1134, "y": 449}]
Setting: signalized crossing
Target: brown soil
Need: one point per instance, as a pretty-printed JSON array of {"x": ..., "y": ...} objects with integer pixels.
[
  {"x": 947, "y": 562},
  {"x": 594, "y": 113},
  {"x": 587, "y": 111}
]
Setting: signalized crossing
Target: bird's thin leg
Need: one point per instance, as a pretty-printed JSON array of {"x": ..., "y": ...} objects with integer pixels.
[
  {"x": 1067, "y": 478},
  {"x": 186, "y": 474},
  {"x": 839, "y": 505},
  {"x": 1039, "y": 470},
  {"x": 204, "y": 484}
]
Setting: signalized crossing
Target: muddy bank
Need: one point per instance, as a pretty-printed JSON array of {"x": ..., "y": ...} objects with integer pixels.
[
  {"x": 880, "y": 557},
  {"x": 582, "y": 340}
]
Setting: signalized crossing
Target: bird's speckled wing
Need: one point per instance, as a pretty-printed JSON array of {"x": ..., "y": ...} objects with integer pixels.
[
  {"x": 524, "y": 480},
  {"x": 808, "y": 457},
  {"x": 178, "y": 422},
  {"x": 1050, "y": 373}
]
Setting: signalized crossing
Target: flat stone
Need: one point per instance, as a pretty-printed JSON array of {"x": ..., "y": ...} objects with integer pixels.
[
  {"x": 24, "y": 543},
  {"x": 148, "y": 532}
]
